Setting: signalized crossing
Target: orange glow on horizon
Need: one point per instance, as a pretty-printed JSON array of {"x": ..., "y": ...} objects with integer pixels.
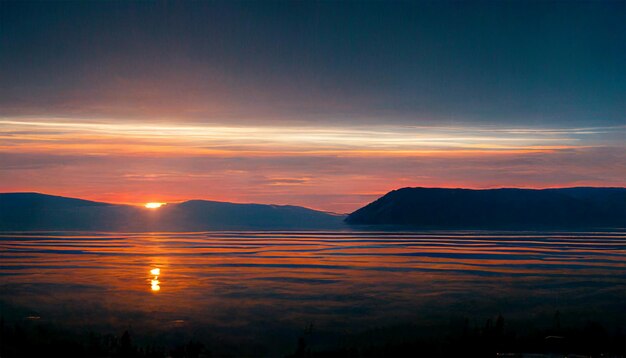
[{"x": 331, "y": 168}]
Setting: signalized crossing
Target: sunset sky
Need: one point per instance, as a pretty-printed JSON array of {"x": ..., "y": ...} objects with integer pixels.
[{"x": 325, "y": 105}]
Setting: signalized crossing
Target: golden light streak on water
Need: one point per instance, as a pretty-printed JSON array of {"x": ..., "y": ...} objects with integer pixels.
[{"x": 155, "y": 284}]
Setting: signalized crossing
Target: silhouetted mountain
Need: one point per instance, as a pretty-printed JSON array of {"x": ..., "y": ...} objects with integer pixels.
[
  {"x": 197, "y": 215},
  {"x": 497, "y": 208},
  {"x": 33, "y": 211}
]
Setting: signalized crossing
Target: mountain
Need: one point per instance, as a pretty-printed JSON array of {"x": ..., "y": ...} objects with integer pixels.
[
  {"x": 34, "y": 211},
  {"x": 575, "y": 208},
  {"x": 198, "y": 215}
]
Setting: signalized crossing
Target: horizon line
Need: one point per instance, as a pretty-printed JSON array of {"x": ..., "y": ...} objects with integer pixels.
[{"x": 140, "y": 204}]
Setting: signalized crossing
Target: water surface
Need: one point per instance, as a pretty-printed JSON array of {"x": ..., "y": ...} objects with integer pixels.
[{"x": 262, "y": 290}]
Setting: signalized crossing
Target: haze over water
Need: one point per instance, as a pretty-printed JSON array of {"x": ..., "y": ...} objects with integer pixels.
[{"x": 259, "y": 291}]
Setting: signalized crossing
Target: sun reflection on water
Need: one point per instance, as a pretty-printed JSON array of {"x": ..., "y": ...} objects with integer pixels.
[
  {"x": 155, "y": 285},
  {"x": 154, "y": 282}
]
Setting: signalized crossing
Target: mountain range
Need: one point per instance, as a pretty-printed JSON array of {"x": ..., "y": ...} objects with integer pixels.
[
  {"x": 34, "y": 211},
  {"x": 407, "y": 208}
]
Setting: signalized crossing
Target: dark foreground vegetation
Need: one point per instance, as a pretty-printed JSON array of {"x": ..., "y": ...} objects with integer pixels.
[{"x": 459, "y": 339}]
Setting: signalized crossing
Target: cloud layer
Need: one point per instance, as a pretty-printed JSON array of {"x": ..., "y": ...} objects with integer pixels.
[{"x": 330, "y": 168}]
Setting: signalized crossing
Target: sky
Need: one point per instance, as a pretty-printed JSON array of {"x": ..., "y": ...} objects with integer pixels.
[{"x": 321, "y": 104}]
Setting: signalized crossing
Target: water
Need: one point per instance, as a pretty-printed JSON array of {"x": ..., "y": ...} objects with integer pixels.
[{"x": 247, "y": 292}]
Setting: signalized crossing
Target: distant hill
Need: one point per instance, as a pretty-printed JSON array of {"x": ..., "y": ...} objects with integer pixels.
[
  {"x": 34, "y": 211},
  {"x": 576, "y": 208}
]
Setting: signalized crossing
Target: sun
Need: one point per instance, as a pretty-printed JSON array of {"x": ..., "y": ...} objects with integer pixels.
[{"x": 154, "y": 205}]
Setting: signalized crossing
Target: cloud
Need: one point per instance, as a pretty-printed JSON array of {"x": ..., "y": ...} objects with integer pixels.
[{"x": 173, "y": 139}]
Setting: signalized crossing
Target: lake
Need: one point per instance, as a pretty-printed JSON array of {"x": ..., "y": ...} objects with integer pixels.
[{"x": 274, "y": 293}]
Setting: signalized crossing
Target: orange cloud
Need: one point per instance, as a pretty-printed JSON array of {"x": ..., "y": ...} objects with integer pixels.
[{"x": 336, "y": 169}]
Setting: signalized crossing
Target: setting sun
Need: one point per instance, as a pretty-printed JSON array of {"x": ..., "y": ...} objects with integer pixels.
[{"x": 154, "y": 205}]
